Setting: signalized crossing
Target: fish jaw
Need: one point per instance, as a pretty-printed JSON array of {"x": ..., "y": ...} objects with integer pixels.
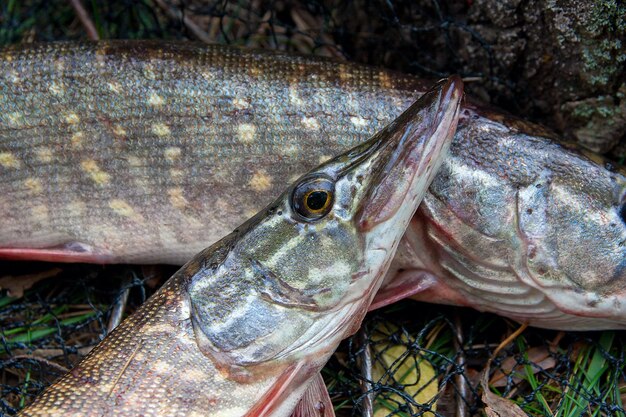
[
  {"x": 411, "y": 159},
  {"x": 304, "y": 283}
]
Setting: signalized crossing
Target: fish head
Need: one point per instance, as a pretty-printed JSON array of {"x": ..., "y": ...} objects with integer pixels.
[
  {"x": 573, "y": 218},
  {"x": 294, "y": 280}
]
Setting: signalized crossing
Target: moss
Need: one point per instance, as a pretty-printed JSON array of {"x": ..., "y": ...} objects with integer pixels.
[{"x": 603, "y": 60}]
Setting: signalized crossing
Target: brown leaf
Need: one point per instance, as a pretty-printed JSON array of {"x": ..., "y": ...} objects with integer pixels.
[
  {"x": 539, "y": 355},
  {"x": 16, "y": 285},
  {"x": 496, "y": 406}
]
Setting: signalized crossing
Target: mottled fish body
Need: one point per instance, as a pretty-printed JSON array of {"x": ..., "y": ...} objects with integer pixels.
[
  {"x": 245, "y": 326},
  {"x": 148, "y": 152}
]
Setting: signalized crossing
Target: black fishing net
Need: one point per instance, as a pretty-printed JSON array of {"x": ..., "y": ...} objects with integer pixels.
[{"x": 410, "y": 358}]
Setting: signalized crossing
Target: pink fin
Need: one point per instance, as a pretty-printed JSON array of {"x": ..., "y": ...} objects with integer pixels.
[
  {"x": 288, "y": 382},
  {"x": 404, "y": 285},
  {"x": 315, "y": 402},
  {"x": 70, "y": 252}
]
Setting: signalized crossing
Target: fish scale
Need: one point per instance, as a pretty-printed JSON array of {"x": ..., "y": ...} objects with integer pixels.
[
  {"x": 144, "y": 151},
  {"x": 134, "y": 134},
  {"x": 241, "y": 330}
]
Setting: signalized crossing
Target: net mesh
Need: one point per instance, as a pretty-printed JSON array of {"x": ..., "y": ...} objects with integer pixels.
[{"x": 410, "y": 358}]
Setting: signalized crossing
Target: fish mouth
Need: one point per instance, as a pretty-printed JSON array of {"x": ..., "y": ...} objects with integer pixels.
[{"x": 408, "y": 152}]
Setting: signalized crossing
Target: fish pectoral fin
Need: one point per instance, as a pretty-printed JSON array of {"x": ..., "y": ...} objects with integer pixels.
[
  {"x": 285, "y": 392},
  {"x": 315, "y": 402},
  {"x": 405, "y": 284},
  {"x": 70, "y": 252}
]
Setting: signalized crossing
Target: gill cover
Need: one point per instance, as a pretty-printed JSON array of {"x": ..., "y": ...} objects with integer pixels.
[{"x": 295, "y": 279}]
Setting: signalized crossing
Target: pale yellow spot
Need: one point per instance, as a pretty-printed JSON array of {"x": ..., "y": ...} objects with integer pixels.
[
  {"x": 56, "y": 89},
  {"x": 358, "y": 121},
  {"x": 385, "y": 80},
  {"x": 162, "y": 367},
  {"x": 161, "y": 129},
  {"x": 15, "y": 119},
  {"x": 34, "y": 185},
  {"x": 177, "y": 199},
  {"x": 208, "y": 75},
  {"x": 246, "y": 132},
  {"x": 250, "y": 213},
  {"x": 241, "y": 104},
  {"x": 294, "y": 177},
  {"x": 115, "y": 87},
  {"x": 310, "y": 123},
  {"x": 44, "y": 155},
  {"x": 8, "y": 160},
  {"x": 93, "y": 170},
  {"x": 105, "y": 387},
  {"x": 15, "y": 77},
  {"x": 118, "y": 130},
  {"x": 196, "y": 413},
  {"x": 72, "y": 118},
  {"x": 176, "y": 175},
  {"x": 290, "y": 150},
  {"x": 59, "y": 65},
  {"x": 135, "y": 161},
  {"x": 255, "y": 71},
  {"x": 345, "y": 74},
  {"x": 294, "y": 96},
  {"x": 142, "y": 183},
  {"x": 156, "y": 100},
  {"x": 76, "y": 207},
  {"x": 261, "y": 181},
  {"x": 122, "y": 208},
  {"x": 172, "y": 154},
  {"x": 324, "y": 158},
  {"x": 148, "y": 72},
  {"x": 77, "y": 139},
  {"x": 162, "y": 328},
  {"x": 40, "y": 212}
]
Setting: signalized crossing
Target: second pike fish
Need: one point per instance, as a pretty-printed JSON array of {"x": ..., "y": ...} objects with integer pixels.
[
  {"x": 147, "y": 152},
  {"x": 243, "y": 329}
]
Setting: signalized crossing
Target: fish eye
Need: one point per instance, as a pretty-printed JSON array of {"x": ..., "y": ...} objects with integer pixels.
[
  {"x": 622, "y": 213},
  {"x": 313, "y": 198}
]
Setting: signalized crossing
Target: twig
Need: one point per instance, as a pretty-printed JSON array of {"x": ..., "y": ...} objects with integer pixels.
[
  {"x": 85, "y": 20},
  {"x": 189, "y": 24},
  {"x": 46, "y": 362},
  {"x": 118, "y": 309},
  {"x": 366, "y": 374},
  {"x": 462, "y": 389}
]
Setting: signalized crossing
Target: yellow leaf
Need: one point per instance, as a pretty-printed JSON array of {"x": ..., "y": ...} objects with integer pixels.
[{"x": 394, "y": 363}]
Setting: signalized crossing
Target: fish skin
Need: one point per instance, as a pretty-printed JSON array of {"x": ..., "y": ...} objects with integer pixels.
[
  {"x": 236, "y": 116},
  {"x": 221, "y": 338}
]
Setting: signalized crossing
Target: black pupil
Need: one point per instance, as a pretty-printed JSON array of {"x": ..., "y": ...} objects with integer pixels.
[
  {"x": 316, "y": 200},
  {"x": 622, "y": 213}
]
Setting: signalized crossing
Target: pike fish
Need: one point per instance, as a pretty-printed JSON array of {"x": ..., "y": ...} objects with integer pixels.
[
  {"x": 245, "y": 326},
  {"x": 147, "y": 152}
]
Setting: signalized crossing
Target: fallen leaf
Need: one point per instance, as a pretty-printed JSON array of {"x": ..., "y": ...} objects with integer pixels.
[
  {"x": 16, "y": 285},
  {"x": 496, "y": 406},
  {"x": 539, "y": 356},
  {"x": 396, "y": 366}
]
